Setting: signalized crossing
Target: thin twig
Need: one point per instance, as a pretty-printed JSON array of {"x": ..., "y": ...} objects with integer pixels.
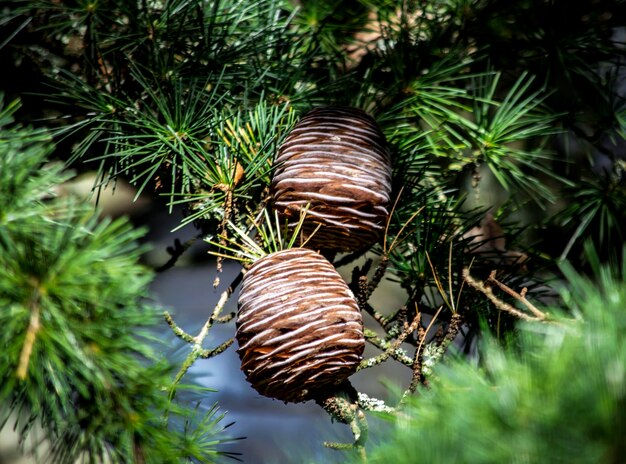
[
  {"x": 176, "y": 252},
  {"x": 225, "y": 295},
  {"x": 196, "y": 342},
  {"x": 397, "y": 354},
  {"x": 518, "y": 296},
  {"x": 418, "y": 376},
  {"x": 362, "y": 291},
  {"x": 342, "y": 405},
  {"x": 393, "y": 325},
  {"x": 378, "y": 274},
  {"x": 31, "y": 334},
  {"x": 393, "y": 347},
  {"x": 225, "y": 318},
  {"x": 368, "y": 403},
  {"x": 217, "y": 350},
  {"x": 453, "y": 330},
  {"x": 176, "y": 329},
  {"x": 432, "y": 353},
  {"x": 360, "y": 288},
  {"x": 498, "y": 303}
]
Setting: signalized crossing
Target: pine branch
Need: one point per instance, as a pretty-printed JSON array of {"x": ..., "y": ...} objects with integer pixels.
[
  {"x": 513, "y": 382},
  {"x": 196, "y": 342},
  {"x": 77, "y": 344},
  {"x": 190, "y": 100},
  {"x": 392, "y": 350},
  {"x": 501, "y": 305}
]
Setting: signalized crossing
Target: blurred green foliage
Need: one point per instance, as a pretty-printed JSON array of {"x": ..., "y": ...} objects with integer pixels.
[
  {"x": 555, "y": 395},
  {"x": 80, "y": 361}
]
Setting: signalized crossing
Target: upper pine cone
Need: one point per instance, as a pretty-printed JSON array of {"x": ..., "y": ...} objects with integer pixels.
[
  {"x": 335, "y": 159},
  {"x": 299, "y": 327}
]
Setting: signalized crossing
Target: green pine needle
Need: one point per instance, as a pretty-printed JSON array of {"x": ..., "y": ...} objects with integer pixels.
[{"x": 80, "y": 360}]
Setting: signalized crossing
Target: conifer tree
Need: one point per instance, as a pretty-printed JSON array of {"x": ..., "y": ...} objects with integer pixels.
[{"x": 504, "y": 124}]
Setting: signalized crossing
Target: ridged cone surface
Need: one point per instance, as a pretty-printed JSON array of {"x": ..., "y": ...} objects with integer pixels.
[
  {"x": 299, "y": 327},
  {"x": 337, "y": 160}
]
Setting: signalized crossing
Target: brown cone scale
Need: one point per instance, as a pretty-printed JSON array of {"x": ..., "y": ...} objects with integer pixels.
[
  {"x": 337, "y": 161},
  {"x": 299, "y": 328}
]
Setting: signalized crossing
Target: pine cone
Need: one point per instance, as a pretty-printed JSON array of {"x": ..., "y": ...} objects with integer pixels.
[
  {"x": 299, "y": 327},
  {"x": 336, "y": 160}
]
